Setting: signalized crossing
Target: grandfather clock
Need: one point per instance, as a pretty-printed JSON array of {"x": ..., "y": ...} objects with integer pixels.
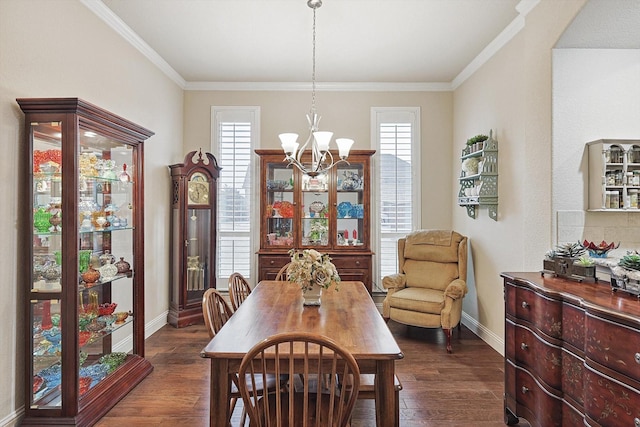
[{"x": 193, "y": 236}]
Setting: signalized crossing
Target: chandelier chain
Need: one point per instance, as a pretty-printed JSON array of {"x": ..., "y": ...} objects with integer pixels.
[
  {"x": 313, "y": 69},
  {"x": 317, "y": 142}
]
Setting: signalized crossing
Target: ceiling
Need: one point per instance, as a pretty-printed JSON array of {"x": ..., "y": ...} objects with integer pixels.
[{"x": 270, "y": 41}]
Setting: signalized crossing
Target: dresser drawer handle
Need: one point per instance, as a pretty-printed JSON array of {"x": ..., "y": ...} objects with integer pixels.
[
  {"x": 272, "y": 262},
  {"x": 358, "y": 263},
  {"x": 524, "y": 346},
  {"x": 524, "y": 390},
  {"x": 637, "y": 357},
  {"x": 525, "y": 304}
]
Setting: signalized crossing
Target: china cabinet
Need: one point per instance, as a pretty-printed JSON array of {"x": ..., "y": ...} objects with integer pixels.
[
  {"x": 328, "y": 212},
  {"x": 479, "y": 178},
  {"x": 614, "y": 175},
  {"x": 82, "y": 222},
  {"x": 193, "y": 236},
  {"x": 572, "y": 353}
]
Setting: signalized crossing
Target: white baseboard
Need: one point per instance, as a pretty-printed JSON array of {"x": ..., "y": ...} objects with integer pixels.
[
  {"x": 150, "y": 328},
  {"x": 12, "y": 420},
  {"x": 496, "y": 342}
]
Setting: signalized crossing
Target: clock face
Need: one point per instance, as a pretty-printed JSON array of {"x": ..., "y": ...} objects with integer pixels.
[{"x": 198, "y": 191}]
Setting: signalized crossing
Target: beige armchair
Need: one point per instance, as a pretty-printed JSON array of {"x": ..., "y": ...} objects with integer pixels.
[{"x": 431, "y": 281}]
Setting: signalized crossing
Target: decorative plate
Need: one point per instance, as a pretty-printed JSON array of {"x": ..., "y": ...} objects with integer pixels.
[{"x": 344, "y": 209}]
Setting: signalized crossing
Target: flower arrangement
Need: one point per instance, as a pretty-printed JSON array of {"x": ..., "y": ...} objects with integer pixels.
[{"x": 310, "y": 266}]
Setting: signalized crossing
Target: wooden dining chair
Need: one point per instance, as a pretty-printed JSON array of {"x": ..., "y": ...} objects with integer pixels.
[
  {"x": 307, "y": 403},
  {"x": 282, "y": 274},
  {"x": 216, "y": 312},
  {"x": 239, "y": 290}
]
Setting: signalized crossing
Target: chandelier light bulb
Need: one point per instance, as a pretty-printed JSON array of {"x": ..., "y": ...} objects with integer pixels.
[
  {"x": 323, "y": 138},
  {"x": 344, "y": 146},
  {"x": 289, "y": 142}
]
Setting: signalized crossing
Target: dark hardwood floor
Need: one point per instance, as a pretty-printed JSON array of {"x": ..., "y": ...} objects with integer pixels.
[{"x": 439, "y": 389}]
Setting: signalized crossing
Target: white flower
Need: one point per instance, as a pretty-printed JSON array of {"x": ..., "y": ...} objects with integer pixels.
[{"x": 310, "y": 266}]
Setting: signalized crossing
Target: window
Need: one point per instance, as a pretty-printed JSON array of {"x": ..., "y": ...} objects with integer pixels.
[
  {"x": 396, "y": 133},
  {"x": 234, "y": 135}
]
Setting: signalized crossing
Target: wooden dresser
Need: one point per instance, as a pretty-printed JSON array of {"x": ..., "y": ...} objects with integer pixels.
[{"x": 572, "y": 353}]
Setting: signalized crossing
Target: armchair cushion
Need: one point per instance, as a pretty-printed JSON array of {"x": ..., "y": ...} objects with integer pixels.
[
  {"x": 430, "y": 274},
  {"x": 418, "y": 299}
]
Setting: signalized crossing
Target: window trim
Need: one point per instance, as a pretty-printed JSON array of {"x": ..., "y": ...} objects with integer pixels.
[
  {"x": 390, "y": 114},
  {"x": 240, "y": 113}
]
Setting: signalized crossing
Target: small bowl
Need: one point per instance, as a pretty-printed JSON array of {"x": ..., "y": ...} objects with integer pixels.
[
  {"x": 121, "y": 316},
  {"x": 107, "y": 308},
  {"x": 108, "y": 319}
]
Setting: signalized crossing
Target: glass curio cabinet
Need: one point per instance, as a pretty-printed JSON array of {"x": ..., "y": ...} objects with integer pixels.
[
  {"x": 328, "y": 212},
  {"x": 82, "y": 222}
]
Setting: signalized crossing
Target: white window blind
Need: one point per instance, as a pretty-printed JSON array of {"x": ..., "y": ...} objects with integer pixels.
[
  {"x": 397, "y": 182},
  {"x": 234, "y": 139}
]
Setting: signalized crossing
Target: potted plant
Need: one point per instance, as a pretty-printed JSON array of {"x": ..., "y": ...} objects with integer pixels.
[
  {"x": 564, "y": 261},
  {"x": 584, "y": 266},
  {"x": 476, "y": 143}
]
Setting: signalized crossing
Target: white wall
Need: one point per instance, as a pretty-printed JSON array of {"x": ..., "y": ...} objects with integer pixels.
[
  {"x": 596, "y": 95},
  {"x": 58, "y": 48},
  {"x": 511, "y": 94}
]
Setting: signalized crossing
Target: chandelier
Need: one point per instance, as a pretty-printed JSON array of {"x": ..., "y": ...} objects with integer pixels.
[{"x": 318, "y": 141}]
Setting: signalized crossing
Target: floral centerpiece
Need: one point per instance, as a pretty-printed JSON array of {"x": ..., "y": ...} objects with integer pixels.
[{"x": 309, "y": 267}]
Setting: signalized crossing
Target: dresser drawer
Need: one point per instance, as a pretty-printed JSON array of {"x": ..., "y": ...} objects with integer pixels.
[
  {"x": 543, "y": 409},
  {"x": 571, "y": 417},
  {"x": 544, "y": 313},
  {"x": 613, "y": 345},
  {"x": 573, "y": 325},
  {"x": 609, "y": 402},
  {"x": 572, "y": 377},
  {"x": 543, "y": 358}
]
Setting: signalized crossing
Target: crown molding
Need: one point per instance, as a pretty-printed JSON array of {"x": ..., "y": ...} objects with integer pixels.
[
  {"x": 323, "y": 87},
  {"x": 111, "y": 19},
  {"x": 118, "y": 25},
  {"x": 523, "y": 8}
]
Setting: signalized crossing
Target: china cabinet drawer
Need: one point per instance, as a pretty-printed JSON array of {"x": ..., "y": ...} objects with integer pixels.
[
  {"x": 609, "y": 402},
  {"x": 613, "y": 345},
  {"x": 543, "y": 358},
  {"x": 270, "y": 265},
  {"x": 544, "y": 313}
]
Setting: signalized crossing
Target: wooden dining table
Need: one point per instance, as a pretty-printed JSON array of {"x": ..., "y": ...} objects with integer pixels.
[{"x": 348, "y": 315}]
